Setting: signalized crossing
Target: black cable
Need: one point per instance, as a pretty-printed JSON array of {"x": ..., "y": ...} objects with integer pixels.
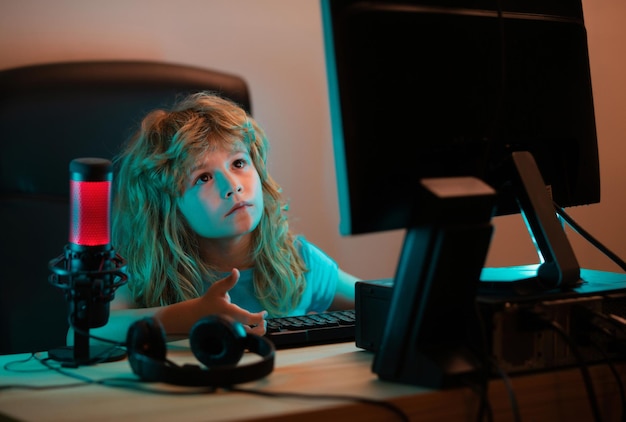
[
  {"x": 488, "y": 363},
  {"x": 39, "y": 387},
  {"x": 484, "y": 405},
  {"x": 510, "y": 391},
  {"x": 101, "y": 357},
  {"x": 590, "y": 314},
  {"x": 127, "y": 383},
  {"x": 138, "y": 385},
  {"x": 390, "y": 406},
  {"x": 484, "y": 409},
  {"x": 591, "y": 395},
  {"x": 593, "y": 319},
  {"x": 47, "y": 367},
  {"x": 589, "y": 238},
  {"x": 9, "y": 365},
  {"x": 616, "y": 375},
  {"x": 84, "y": 333}
]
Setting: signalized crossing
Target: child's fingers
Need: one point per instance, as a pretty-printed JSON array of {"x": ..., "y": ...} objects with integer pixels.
[{"x": 224, "y": 285}]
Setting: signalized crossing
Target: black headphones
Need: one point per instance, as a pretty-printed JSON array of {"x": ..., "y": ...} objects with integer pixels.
[{"x": 215, "y": 340}]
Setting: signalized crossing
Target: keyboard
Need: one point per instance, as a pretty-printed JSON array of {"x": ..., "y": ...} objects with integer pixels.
[{"x": 308, "y": 330}]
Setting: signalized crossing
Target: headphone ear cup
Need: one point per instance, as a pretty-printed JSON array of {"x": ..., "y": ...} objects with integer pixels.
[
  {"x": 217, "y": 340},
  {"x": 145, "y": 337}
]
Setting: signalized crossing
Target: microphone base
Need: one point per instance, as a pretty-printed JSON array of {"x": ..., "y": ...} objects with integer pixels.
[{"x": 97, "y": 354}]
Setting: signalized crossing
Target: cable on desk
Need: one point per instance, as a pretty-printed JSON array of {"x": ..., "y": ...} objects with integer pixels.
[
  {"x": 484, "y": 408},
  {"x": 389, "y": 406},
  {"x": 592, "y": 318},
  {"x": 120, "y": 344},
  {"x": 487, "y": 363},
  {"x": 84, "y": 333},
  {"x": 127, "y": 383},
  {"x": 47, "y": 367},
  {"x": 511, "y": 392},
  {"x": 138, "y": 385},
  {"x": 537, "y": 320},
  {"x": 483, "y": 389},
  {"x": 620, "y": 385},
  {"x": 40, "y": 387},
  {"x": 9, "y": 366}
]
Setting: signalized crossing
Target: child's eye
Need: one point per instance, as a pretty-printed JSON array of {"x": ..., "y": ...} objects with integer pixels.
[
  {"x": 240, "y": 163},
  {"x": 203, "y": 178}
]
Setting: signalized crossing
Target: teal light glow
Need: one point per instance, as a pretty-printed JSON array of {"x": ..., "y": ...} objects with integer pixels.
[
  {"x": 532, "y": 237},
  {"x": 507, "y": 274}
]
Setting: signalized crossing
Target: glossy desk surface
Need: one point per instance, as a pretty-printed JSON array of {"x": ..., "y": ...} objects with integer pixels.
[{"x": 339, "y": 369}]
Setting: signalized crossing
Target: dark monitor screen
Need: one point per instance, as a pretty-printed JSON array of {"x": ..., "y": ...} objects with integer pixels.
[
  {"x": 425, "y": 90},
  {"x": 418, "y": 90}
]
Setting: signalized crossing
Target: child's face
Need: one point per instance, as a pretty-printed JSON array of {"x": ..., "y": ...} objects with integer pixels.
[{"x": 223, "y": 197}]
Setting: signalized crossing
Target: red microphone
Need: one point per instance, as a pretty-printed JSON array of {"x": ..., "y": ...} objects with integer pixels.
[
  {"x": 90, "y": 202},
  {"x": 89, "y": 271}
]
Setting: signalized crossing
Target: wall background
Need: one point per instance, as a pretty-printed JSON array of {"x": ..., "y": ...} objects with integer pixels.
[{"x": 277, "y": 46}]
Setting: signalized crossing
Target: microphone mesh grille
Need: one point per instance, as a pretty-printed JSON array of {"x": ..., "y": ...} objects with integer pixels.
[{"x": 90, "y": 213}]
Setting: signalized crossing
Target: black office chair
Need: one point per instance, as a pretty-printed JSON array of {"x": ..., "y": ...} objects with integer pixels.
[{"x": 49, "y": 115}]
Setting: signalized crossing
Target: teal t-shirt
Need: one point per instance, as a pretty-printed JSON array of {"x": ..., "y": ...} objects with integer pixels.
[{"x": 321, "y": 283}]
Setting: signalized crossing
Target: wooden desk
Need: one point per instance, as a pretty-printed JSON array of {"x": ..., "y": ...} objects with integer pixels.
[{"x": 331, "y": 369}]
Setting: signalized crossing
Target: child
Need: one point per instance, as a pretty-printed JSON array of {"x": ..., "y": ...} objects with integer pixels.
[{"x": 204, "y": 230}]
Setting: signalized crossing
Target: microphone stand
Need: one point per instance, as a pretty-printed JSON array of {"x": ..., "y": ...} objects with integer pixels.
[{"x": 88, "y": 293}]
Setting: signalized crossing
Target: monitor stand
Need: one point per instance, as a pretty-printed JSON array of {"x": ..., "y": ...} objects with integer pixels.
[
  {"x": 434, "y": 291},
  {"x": 558, "y": 271},
  {"x": 438, "y": 278},
  {"x": 559, "y": 268}
]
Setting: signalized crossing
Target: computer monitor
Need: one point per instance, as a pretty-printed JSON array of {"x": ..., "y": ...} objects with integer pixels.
[{"x": 499, "y": 91}]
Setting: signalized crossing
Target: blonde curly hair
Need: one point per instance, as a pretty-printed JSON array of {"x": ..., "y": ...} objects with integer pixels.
[{"x": 164, "y": 263}]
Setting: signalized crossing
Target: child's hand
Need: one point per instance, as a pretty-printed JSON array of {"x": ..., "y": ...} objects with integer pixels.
[{"x": 217, "y": 300}]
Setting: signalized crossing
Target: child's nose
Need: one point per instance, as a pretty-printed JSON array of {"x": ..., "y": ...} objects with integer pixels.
[
  {"x": 230, "y": 185},
  {"x": 237, "y": 189}
]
